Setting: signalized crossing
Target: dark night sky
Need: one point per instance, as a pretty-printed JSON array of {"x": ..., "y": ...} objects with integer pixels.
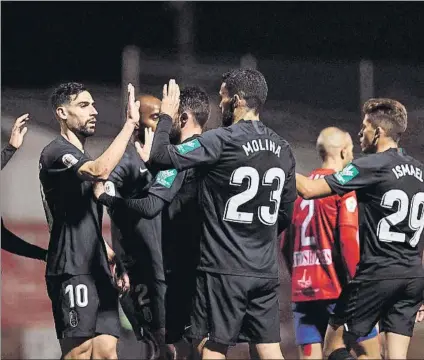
[{"x": 45, "y": 42}]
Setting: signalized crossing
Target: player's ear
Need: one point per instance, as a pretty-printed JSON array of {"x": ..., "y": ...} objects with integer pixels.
[
  {"x": 343, "y": 153},
  {"x": 61, "y": 113},
  {"x": 183, "y": 118},
  {"x": 236, "y": 101},
  {"x": 377, "y": 135}
]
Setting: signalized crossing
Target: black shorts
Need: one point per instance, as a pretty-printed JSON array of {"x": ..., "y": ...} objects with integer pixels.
[
  {"x": 181, "y": 287},
  {"x": 228, "y": 308},
  {"x": 392, "y": 302},
  {"x": 83, "y": 305},
  {"x": 144, "y": 305}
]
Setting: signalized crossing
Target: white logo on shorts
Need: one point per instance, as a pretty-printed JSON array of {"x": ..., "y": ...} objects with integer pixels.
[{"x": 73, "y": 318}]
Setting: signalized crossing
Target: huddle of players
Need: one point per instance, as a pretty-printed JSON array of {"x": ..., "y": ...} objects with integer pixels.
[{"x": 232, "y": 188}]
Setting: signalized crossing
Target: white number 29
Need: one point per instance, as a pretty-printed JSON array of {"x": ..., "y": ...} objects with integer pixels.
[
  {"x": 265, "y": 215},
  {"x": 416, "y": 216}
]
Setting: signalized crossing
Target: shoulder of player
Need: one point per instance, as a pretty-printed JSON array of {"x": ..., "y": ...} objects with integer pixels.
[
  {"x": 373, "y": 161},
  {"x": 53, "y": 149}
]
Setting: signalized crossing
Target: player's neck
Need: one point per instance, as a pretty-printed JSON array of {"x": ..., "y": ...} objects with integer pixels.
[
  {"x": 77, "y": 141},
  {"x": 386, "y": 144},
  {"x": 249, "y": 115},
  {"x": 332, "y": 164},
  {"x": 188, "y": 134}
]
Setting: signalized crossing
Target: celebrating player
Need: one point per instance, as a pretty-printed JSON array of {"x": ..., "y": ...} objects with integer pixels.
[
  {"x": 388, "y": 284},
  {"x": 79, "y": 283},
  {"x": 176, "y": 195},
  {"x": 321, "y": 250},
  {"x": 248, "y": 181},
  {"x": 138, "y": 239}
]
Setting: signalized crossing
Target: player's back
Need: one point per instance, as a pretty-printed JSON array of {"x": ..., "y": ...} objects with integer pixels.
[
  {"x": 241, "y": 195},
  {"x": 391, "y": 215},
  {"x": 319, "y": 270},
  {"x": 181, "y": 227}
]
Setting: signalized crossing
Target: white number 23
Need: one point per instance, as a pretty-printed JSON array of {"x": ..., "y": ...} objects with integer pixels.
[{"x": 267, "y": 217}]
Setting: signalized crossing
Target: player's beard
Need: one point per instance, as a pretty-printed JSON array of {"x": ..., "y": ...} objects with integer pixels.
[
  {"x": 228, "y": 116},
  {"x": 86, "y": 130},
  {"x": 175, "y": 133}
]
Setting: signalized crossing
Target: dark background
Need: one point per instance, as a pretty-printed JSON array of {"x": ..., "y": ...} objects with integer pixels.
[{"x": 48, "y": 42}]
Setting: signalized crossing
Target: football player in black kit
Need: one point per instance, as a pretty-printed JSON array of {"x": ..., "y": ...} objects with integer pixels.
[
  {"x": 247, "y": 179},
  {"x": 139, "y": 238},
  {"x": 78, "y": 276},
  {"x": 389, "y": 281},
  {"x": 175, "y": 194}
]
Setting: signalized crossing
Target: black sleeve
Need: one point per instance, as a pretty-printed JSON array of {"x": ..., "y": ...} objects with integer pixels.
[
  {"x": 289, "y": 194},
  {"x": 6, "y": 154},
  {"x": 205, "y": 149},
  {"x": 63, "y": 157},
  {"x": 167, "y": 184},
  {"x": 15, "y": 245},
  {"x": 287, "y": 249},
  {"x": 357, "y": 175},
  {"x": 285, "y": 214},
  {"x": 147, "y": 207}
]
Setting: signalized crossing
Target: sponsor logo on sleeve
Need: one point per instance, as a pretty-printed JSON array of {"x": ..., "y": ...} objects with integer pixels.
[
  {"x": 69, "y": 160},
  {"x": 166, "y": 178},
  {"x": 347, "y": 174},
  {"x": 110, "y": 188},
  {"x": 188, "y": 146}
]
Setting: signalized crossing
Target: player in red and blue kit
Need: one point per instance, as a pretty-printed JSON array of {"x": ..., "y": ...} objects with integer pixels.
[{"x": 322, "y": 250}]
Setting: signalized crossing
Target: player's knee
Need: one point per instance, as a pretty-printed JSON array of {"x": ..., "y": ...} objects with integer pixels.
[
  {"x": 105, "y": 347},
  {"x": 213, "y": 347},
  {"x": 269, "y": 351},
  {"x": 76, "y": 348}
]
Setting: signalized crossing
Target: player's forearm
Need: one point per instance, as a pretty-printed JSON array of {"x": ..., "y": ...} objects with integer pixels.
[
  {"x": 148, "y": 207},
  {"x": 6, "y": 154},
  {"x": 285, "y": 214},
  {"x": 101, "y": 168},
  {"x": 286, "y": 249},
  {"x": 159, "y": 155},
  {"x": 349, "y": 247},
  {"x": 312, "y": 189},
  {"x": 15, "y": 245}
]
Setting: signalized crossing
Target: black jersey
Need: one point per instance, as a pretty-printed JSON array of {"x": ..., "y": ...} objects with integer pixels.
[
  {"x": 390, "y": 191},
  {"x": 75, "y": 220},
  {"x": 246, "y": 171},
  {"x": 141, "y": 238},
  {"x": 181, "y": 220}
]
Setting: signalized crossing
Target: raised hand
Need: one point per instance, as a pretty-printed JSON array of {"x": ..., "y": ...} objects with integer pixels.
[
  {"x": 18, "y": 131},
  {"x": 133, "y": 107},
  {"x": 170, "y": 99},
  {"x": 144, "y": 150}
]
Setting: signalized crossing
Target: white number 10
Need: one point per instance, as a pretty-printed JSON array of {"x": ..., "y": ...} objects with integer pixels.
[{"x": 78, "y": 296}]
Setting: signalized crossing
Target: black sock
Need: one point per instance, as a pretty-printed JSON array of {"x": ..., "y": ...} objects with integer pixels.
[{"x": 341, "y": 354}]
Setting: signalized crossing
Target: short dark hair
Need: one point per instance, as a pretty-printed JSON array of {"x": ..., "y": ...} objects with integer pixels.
[
  {"x": 195, "y": 100},
  {"x": 249, "y": 84},
  {"x": 62, "y": 94},
  {"x": 388, "y": 114}
]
